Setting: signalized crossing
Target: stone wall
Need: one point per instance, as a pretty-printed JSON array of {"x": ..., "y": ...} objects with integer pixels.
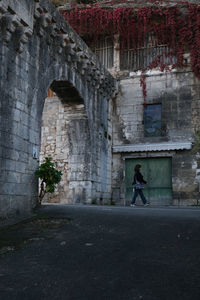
[
  {"x": 66, "y": 137},
  {"x": 179, "y": 94},
  {"x": 174, "y": 90},
  {"x": 38, "y": 51}
]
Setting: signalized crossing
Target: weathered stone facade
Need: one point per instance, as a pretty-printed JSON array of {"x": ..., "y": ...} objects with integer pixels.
[
  {"x": 90, "y": 137},
  {"x": 38, "y": 50},
  {"x": 66, "y": 137},
  {"x": 178, "y": 92}
]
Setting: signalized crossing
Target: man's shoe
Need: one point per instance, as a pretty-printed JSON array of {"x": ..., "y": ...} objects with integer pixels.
[
  {"x": 133, "y": 205},
  {"x": 146, "y": 204}
]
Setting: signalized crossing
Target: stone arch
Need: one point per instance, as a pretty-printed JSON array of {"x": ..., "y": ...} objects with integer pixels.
[
  {"x": 67, "y": 138},
  {"x": 70, "y": 89},
  {"x": 38, "y": 49}
]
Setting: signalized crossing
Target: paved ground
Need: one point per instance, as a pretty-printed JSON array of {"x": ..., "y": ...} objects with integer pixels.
[{"x": 108, "y": 253}]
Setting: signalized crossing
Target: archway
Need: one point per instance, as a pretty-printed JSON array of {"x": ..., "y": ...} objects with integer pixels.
[{"x": 65, "y": 137}]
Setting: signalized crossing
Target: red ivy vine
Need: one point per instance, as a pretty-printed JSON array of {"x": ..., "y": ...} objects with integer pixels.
[{"x": 176, "y": 26}]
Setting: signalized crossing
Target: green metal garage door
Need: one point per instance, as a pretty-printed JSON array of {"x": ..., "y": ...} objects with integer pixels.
[{"x": 157, "y": 173}]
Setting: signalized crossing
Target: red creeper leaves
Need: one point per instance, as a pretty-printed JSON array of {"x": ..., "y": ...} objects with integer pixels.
[{"x": 176, "y": 26}]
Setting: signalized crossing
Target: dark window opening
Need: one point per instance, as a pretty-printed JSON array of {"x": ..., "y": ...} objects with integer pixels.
[{"x": 152, "y": 120}]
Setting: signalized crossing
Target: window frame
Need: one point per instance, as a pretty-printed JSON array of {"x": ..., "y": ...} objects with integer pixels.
[{"x": 159, "y": 128}]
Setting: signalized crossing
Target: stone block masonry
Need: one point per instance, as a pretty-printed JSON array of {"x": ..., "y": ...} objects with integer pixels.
[
  {"x": 65, "y": 136},
  {"x": 38, "y": 49},
  {"x": 178, "y": 93}
]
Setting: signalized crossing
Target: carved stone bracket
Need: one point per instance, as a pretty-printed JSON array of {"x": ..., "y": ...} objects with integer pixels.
[
  {"x": 3, "y": 8},
  {"x": 42, "y": 23},
  {"x": 8, "y": 24},
  {"x": 12, "y": 26},
  {"x": 49, "y": 25},
  {"x": 59, "y": 42},
  {"x": 38, "y": 10},
  {"x": 22, "y": 36}
]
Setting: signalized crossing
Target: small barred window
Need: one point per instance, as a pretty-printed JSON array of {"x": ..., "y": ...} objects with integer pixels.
[
  {"x": 137, "y": 59},
  {"x": 104, "y": 50}
]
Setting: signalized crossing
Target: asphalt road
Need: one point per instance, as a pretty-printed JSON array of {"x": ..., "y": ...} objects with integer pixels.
[{"x": 107, "y": 253}]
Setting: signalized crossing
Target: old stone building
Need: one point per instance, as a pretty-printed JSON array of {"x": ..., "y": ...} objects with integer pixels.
[
  {"x": 97, "y": 127},
  {"x": 158, "y": 132}
]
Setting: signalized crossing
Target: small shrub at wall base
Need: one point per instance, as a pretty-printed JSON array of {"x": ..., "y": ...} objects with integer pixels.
[
  {"x": 112, "y": 202},
  {"x": 94, "y": 201},
  {"x": 49, "y": 177}
]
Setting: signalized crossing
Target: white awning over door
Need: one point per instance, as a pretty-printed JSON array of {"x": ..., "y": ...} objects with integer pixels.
[{"x": 153, "y": 147}]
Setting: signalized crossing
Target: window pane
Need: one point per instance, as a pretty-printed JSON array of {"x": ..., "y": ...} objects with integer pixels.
[{"x": 152, "y": 120}]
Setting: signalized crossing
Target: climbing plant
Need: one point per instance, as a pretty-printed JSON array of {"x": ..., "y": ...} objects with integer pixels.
[{"x": 177, "y": 26}]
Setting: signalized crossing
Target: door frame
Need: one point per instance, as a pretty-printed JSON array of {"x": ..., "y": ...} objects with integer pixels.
[{"x": 156, "y": 154}]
